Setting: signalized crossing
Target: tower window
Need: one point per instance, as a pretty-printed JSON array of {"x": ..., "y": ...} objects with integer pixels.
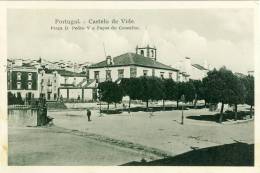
[
  {"x": 152, "y": 52},
  {"x": 142, "y": 52}
]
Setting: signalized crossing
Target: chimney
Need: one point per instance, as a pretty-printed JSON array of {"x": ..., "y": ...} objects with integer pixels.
[
  {"x": 206, "y": 65},
  {"x": 187, "y": 65},
  {"x": 109, "y": 60},
  {"x": 18, "y": 62}
]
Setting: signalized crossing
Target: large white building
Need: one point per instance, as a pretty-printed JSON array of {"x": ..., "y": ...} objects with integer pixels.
[{"x": 143, "y": 62}]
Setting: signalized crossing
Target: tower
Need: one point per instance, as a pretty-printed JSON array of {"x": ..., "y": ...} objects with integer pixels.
[{"x": 145, "y": 49}]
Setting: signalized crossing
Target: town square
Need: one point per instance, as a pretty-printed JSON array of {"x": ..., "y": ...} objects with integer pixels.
[{"x": 164, "y": 90}]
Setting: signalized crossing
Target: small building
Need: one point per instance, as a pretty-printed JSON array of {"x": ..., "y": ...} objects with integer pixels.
[
  {"x": 23, "y": 80},
  {"x": 188, "y": 70},
  {"x": 251, "y": 72},
  {"x": 59, "y": 83}
]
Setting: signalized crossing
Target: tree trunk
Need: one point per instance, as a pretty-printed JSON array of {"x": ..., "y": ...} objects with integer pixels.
[
  {"x": 205, "y": 103},
  {"x": 115, "y": 105},
  {"x": 235, "y": 112},
  {"x": 221, "y": 113},
  {"x": 129, "y": 105},
  {"x": 146, "y": 105},
  {"x": 177, "y": 104},
  {"x": 251, "y": 111},
  {"x": 195, "y": 101},
  {"x": 107, "y": 106},
  {"x": 163, "y": 105}
]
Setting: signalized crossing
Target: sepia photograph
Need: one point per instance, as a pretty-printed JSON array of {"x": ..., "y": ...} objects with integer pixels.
[{"x": 130, "y": 87}]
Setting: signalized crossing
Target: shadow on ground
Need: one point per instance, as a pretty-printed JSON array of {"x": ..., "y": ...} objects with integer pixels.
[
  {"x": 227, "y": 116},
  {"x": 236, "y": 154},
  {"x": 150, "y": 109}
]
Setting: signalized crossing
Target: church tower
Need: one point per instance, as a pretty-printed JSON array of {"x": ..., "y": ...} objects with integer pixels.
[{"x": 146, "y": 50}]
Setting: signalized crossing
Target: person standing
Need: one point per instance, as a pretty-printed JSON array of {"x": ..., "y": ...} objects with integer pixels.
[{"x": 89, "y": 114}]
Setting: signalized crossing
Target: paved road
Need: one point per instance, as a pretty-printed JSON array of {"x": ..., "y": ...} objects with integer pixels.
[{"x": 45, "y": 146}]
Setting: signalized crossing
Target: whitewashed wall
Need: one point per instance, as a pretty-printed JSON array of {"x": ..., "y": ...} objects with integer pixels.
[
  {"x": 114, "y": 72},
  {"x": 88, "y": 94},
  {"x": 139, "y": 72},
  {"x": 197, "y": 74}
]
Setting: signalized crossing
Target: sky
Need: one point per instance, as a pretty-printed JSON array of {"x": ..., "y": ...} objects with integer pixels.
[{"x": 218, "y": 36}]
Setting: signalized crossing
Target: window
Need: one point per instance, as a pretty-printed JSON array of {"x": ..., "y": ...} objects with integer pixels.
[
  {"x": 142, "y": 52},
  {"x": 162, "y": 74},
  {"x": 121, "y": 73},
  {"x": 49, "y": 89},
  {"x": 19, "y": 76},
  {"x": 178, "y": 77},
  {"x": 133, "y": 71},
  {"x": 29, "y": 76},
  {"x": 170, "y": 75},
  {"x": 108, "y": 74},
  {"x": 96, "y": 74},
  {"x": 152, "y": 52},
  {"x": 74, "y": 81},
  {"x": 145, "y": 72},
  {"x": 65, "y": 80},
  {"x": 29, "y": 85},
  {"x": 55, "y": 96},
  {"x": 18, "y": 85},
  {"x": 48, "y": 96}
]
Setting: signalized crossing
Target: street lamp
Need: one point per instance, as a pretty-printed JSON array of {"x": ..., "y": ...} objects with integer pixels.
[
  {"x": 99, "y": 98},
  {"x": 182, "y": 111}
]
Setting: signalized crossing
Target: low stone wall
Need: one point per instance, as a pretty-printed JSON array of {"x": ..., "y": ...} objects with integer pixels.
[
  {"x": 81, "y": 105},
  {"x": 20, "y": 115}
]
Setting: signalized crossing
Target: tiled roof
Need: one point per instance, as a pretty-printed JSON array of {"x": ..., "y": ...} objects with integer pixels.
[
  {"x": 63, "y": 72},
  {"x": 199, "y": 67},
  {"x": 240, "y": 74},
  {"x": 133, "y": 59}
]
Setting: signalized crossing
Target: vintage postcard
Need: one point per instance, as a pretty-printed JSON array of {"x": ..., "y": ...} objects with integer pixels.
[{"x": 130, "y": 84}]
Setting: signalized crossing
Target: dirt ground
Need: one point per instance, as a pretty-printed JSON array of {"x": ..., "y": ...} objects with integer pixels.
[
  {"x": 47, "y": 146},
  {"x": 116, "y": 139},
  {"x": 160, "y": 130}
]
